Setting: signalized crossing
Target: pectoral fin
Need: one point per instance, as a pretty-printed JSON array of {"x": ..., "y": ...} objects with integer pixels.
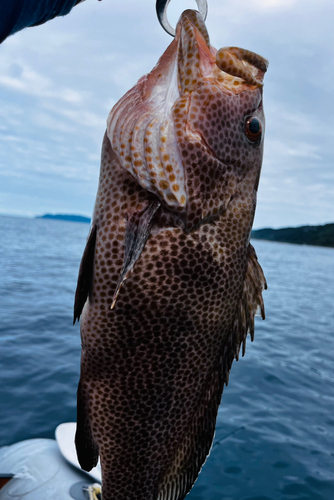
[
  {"x": 138, "y": 230},
  {"x": 85, "y": 275},
  {"x": 250, "y": 303}
]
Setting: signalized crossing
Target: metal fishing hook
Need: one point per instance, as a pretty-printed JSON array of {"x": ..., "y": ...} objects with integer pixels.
[{"x": 161, "y": 8}]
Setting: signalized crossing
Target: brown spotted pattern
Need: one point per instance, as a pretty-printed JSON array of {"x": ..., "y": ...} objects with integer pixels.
[
  {"x": 194, "y": 56},
  {"x": 214, "y": 148},
  {"x": 153, "y": 367}
]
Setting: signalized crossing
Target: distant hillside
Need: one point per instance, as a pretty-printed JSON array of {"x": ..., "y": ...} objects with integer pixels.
[
  {"x": 322, "y": 236},
  {"x": 67, "y": 217}
]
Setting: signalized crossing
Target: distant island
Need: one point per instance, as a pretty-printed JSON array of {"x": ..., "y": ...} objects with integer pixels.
[
  {"x": 66, "y": 217},
  {"x": 322, "y": 236}
]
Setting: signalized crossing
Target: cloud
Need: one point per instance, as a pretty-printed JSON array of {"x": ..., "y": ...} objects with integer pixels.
[
  {"x": 303, "y": 150},
  {"x": 47, "y": 121},
  {"x": 59, "y": 81},
  {"x": 274, "y": 4},
  {"x": 83, "y": 117},
  {"x": 23, "y": 78}
]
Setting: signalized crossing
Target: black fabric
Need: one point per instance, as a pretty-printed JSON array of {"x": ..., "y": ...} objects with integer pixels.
[
  {"x": 16, "y": 15},
  {"x": 9, "y": 14}
]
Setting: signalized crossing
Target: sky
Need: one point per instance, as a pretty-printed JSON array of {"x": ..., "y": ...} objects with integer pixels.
[{"x": 59, "y": 81}]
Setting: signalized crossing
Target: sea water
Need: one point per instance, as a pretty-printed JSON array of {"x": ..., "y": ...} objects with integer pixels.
[{"x": 275, "y": 428}]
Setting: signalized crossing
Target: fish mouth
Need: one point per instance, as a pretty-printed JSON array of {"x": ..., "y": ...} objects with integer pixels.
[
  {"x": 240, "y": 68},
  {"x": 233, "y": 68}
]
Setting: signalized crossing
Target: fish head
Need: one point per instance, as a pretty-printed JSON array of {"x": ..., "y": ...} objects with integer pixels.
[
  {"x": 219, "y": 122},
  {"x": 191, "y": 131}
]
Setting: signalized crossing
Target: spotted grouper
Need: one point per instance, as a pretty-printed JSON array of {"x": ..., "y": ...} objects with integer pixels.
[{"x": 169, "y": 283}]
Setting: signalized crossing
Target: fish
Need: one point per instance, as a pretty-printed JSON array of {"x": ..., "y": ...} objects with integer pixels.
[{"x": 169, "y": 282}]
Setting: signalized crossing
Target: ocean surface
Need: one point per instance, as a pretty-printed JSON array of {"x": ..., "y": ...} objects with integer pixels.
[{"x": 275, "y": 428}]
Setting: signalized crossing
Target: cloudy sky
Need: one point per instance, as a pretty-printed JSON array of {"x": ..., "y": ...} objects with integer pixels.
[{"x": 59, "y": 81}]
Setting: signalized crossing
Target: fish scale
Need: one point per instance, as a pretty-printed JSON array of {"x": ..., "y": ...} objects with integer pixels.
[{"x": 168, "y": 287}]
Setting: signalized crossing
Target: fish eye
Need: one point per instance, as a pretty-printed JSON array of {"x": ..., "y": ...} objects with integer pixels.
[{"x": 253, "y": 129}]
